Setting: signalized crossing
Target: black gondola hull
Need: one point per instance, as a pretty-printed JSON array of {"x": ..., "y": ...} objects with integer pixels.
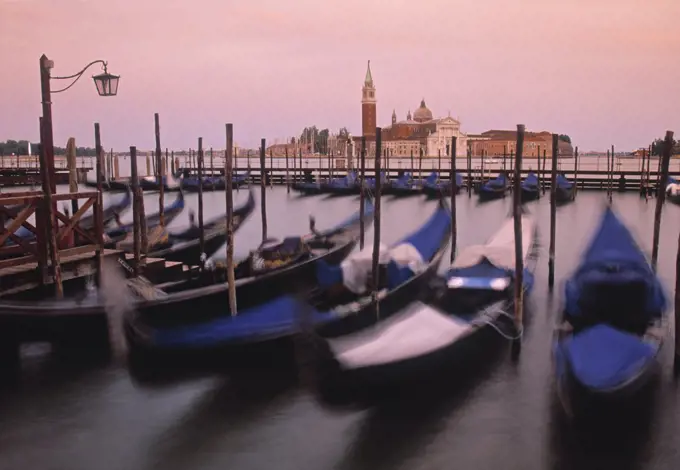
[{"x": 564, "y": 195}]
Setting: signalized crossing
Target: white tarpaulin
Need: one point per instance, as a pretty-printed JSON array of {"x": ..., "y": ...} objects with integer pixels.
[
  {"x": 673, "y": 189},
  {"x": 500, "y": 249},
  {"x": 357, "y": 267},
  {"x": 419, "y": 330}
]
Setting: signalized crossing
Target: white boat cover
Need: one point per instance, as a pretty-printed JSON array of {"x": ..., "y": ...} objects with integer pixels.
[
  {"x": 418, "y": 330},
  {"x": 500, "y": 249},
  {"x": 357, "y": 267},
  {"x": 673, "y": 189}
]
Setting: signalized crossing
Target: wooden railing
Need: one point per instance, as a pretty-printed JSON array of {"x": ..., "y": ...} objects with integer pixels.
[{"x": 15, "y": 210}]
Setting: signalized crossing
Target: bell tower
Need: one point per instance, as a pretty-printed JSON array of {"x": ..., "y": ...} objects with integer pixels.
[{"x": 368, "y": 105}]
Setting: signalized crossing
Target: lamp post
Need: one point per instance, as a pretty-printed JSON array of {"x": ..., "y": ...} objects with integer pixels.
[{"x": 107, "y": 85}]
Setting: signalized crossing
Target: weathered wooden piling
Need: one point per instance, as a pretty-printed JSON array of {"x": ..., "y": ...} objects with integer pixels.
[
  {"x": 362, "y": 192},
  {"x": 199, "y": 161},
  {"x": 553, "y": 212},
  {"x": 454, "y": 190},
  {"x": 50, "y": 208},
  {"x": 575, "y": 172},
  {"x": 545, "y": 152},
  {"x": 519, "y": 257},
  {"x": 161, "y": 184},
  {"x": 99, "y": 213},
  {"x": 136, "y": 240},
  {"x": 661, "y": 196},
  {"x": 376, "y": 221},
  {"x": 72, "y": 176},
  {"x": 287, "y": 178},
  {"x": 212, "y": 167},
  {"x": 263, "y": 190},
  {"x": 420, "y": 165},
  {"x": 228, "y": 174},
  {"x": 271, "y": 167},
  {"x": 469, "y": 170}
]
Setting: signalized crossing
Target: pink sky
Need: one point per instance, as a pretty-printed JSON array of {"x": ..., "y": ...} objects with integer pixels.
[{"x": 603, "y": 71}]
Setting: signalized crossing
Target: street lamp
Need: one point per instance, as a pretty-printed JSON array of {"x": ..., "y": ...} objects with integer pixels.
[{"x": 106, "y": 83}]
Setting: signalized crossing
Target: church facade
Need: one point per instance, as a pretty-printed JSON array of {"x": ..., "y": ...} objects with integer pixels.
[{"x": 420, "y": 132}]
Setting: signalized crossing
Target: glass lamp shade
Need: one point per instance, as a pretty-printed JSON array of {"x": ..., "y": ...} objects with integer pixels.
[{"x": 107, "y": 84}]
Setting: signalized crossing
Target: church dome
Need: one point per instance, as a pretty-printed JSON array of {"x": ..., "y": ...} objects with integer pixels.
[{"x": 422, "y": 114}]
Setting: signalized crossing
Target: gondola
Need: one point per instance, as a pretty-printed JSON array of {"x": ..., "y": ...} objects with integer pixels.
[
  {"x": 193, "y": 317},
  {"x": 185, "y": 246},
  {"x": 151, "y": 183},
  {"x": 111, "y": 185},
  {"x": 565, "y": 191},
  {"x": 349, "y": 185},
  {"x": 308, "y": 188},
  {"x": 44, "y": 318},
  {"x": 608, "y": 341},
  {"x": 118, "y": 234},
  {"x": 436, "y": 336},
  {"x": 438, "y": 188},
  {"x": 212, "y": 183},
  {"x": 87, "y": 222},
  {"x": 494, "y": 189},
  {"x": 530, "y": 188},
  {"x": 404, "y": 186},
  {"x": 673, "y": 190}
]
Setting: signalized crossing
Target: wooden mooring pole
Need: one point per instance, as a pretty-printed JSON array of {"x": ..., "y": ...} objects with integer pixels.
[
  {"x": 575, "y": 172},
  {"x": 362, "y": 192},
  {"x": 287, "y": 178},
  {"x": 228, "y": 174},
  {"x": 49, "y": 208},
  {"x": 134, "y": 178},
  {"x": 519, "y": 257},
  {"x": 199, "y": 161},
  {"x": 553, "y": 212},
  {"x": 98, "y": 211},
  {"x": 454, "y": 190},
  {"x": 469, "y": 170},
  {"x": 544, "y": 161},
  {"x": 271, "y": 167},
  {"x": 161, "y": 183},
  {"x": 263, "y": 190},
  {"x": 376, "y": 221},
  {"x": 661, "y": 196}
]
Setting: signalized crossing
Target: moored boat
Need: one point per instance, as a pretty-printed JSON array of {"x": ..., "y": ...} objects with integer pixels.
[
  {"x": 673, "y": 190},
  {"x": 495, "y": 188},
  {"x": 565, "y": 191},
  {"x": 434, "y": 337},
  {"x": 193, "y": 317},
  {"x": 404, "y": 186},
  {"x": 607, "y": 345},
  {"x": 530, "y": 188},
  {"x": 185, "y": 246},
  {"x": 438, "y": 188},
  {"x": 118, "y": 234}
]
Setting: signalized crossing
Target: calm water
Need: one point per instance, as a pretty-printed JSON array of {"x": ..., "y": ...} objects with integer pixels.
[{"x": 65, "y": 417}]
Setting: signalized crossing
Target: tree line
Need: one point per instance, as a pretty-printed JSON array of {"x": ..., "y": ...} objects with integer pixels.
[
  {"x": 20, "y": 147},
  {"x": 317, "y": 140}
]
